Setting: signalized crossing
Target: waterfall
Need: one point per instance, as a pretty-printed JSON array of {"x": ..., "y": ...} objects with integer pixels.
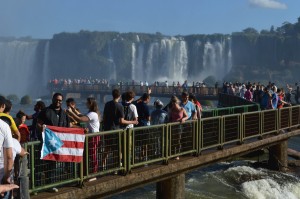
[
  {"x": 17, "y": 60},
  {"x": 151, "y": 61},
  {"x": 164, "y": 60},
  {"x": 133, "y": 61},
  {"x": 112, "y": 67},
  {"x": 137, "y": 62},
  {"x": 216, "y": 62},
  {"x": 174, "y": 59}
]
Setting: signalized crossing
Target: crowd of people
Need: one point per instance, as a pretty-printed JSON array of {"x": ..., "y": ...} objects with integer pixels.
[
  {"x": 124, "y": 111},
  {"x": 269, "y": 96},
  {"x": 65, "y": 82}
]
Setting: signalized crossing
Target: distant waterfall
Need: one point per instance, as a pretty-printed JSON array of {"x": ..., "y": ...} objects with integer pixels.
[
  {"x": 215, "y": 61},
  {"x": 137, "y": 61},
  {"x": 151, "y": 61},
  {"x": 17, "y": 61},
  {"x": 133, "y": 60},
  {"x": 112, "y": 67},
  {"x": 174, "y": 59},
  {"x": 164, "y": 60}
]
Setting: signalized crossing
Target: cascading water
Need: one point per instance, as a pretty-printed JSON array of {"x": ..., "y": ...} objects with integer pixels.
[
  {"x": 17, "y": 60},
  {"x": 175, "y": 59},
  {"x": 112, "y": 68},
  {"x": 216, "y": 62},
  {"x": 137, "y": 61},
  {"x": 151, "y": 60},
  {"x": 133, "y": 60},
  {"x": 165, "y": 60}
]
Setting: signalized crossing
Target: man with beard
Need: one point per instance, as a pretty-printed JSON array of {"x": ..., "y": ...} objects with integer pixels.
[{"x": 53, "y": 115}]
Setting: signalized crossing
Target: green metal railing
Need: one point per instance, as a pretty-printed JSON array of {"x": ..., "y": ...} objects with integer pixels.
[{"x": 123, "y": 150}]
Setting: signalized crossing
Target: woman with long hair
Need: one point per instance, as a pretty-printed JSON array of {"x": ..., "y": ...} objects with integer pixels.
[
  {"x": 93, "y": 125},
  {"x": 176, "y": 114}
]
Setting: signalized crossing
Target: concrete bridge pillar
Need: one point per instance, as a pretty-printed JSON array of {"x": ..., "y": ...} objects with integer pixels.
[
  {"x": 278, "y": 157},
  {"x": 172, "y": 188}
]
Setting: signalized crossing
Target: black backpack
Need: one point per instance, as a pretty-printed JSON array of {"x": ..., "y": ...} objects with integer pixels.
[{"x": 126, "y": 110}]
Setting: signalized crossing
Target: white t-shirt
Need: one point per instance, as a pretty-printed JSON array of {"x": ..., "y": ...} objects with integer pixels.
[
  {"x": 132, "y": 113},
  {"x": 16, "y": 149},
  {"x": 94, "y": 123},
  {"x": 5, "y": 135}
]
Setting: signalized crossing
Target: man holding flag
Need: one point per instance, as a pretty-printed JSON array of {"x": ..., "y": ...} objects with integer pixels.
[{"x": 52, "y": 139}]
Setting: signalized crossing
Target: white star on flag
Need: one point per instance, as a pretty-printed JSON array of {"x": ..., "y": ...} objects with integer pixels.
[{"x": 52, "y": 142}]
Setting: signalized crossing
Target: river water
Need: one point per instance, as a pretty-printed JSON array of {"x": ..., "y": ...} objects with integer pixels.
[{"x": 226, "y": 180}]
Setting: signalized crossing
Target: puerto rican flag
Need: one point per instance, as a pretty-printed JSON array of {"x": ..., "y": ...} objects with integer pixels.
[{"x": 62, "y": 144}]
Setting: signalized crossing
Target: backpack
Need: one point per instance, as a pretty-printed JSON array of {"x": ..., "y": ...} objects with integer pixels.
[{"x": 126, "y": 110}]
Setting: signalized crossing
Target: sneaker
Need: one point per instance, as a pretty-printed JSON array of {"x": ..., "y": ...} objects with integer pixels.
[{"x": 54, "y": 189}]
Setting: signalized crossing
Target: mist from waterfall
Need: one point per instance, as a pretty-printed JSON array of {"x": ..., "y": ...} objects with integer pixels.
[
  {"x": 216, "y": 62},
  {"x": 17, "y": 60},
  {"x": 45, "y": 69}
]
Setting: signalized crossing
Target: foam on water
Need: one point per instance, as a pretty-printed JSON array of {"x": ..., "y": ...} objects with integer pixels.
[
  {"x": 270, "y": 189},
  {"x": 262, "y": 183}
]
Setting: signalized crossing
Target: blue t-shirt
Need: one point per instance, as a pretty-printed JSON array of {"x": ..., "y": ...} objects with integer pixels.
[
  {"x": 274, "y": 100},
  {"x": 189, "y": 108}
]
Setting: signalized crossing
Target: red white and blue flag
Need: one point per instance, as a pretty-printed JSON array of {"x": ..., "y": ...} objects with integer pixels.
[{"x": 62, "y": 144}]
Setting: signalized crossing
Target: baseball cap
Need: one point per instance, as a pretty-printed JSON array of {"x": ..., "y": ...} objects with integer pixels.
[{"x": 158, "y": 103}]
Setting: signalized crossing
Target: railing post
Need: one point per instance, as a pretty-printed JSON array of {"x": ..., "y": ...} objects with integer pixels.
[{"x": 23, "y": 192}]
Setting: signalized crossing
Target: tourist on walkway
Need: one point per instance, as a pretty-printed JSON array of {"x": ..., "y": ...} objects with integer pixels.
[
  {"x": 6, "y": 112},
  {"x": 281, "y": 103},
  {"x": 159, "y": 116},
  {"x": 130, "y": 110},
  {"x": 266, "y": 100},
  {"x": 143, "y": 136},
  {"x": 274, "y": 98},
  {"x": 52, "y": 115},
  {"x": 188, "y": 106},
  {"x": 6, "y": 144},
  {"x": 177, "y": 114},
  {"x": 40, "y": 105},
  {"x": 113, "y": 119},
  {"x": 248, "y": 94},
  {"x": 23, "y": 128},
  {"x": 92, "y": 120},
  {"x": 71, "y": 104}
]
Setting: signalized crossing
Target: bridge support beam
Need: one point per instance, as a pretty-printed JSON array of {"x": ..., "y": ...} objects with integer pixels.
[
  {"x": 278, "y": 157},
  {"x": 172, "y": 188}
]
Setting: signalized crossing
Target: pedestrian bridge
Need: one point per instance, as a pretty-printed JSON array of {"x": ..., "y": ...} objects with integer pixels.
[
  {"x": 220, "y": 135},
  {"x": 84, "y": 90}
]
